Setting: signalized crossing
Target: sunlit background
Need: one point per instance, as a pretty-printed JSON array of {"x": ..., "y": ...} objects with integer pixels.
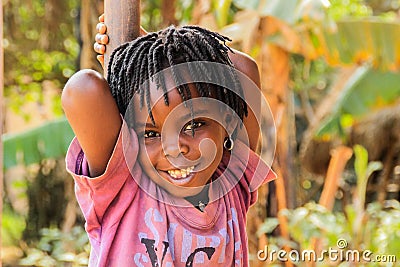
[{"x": 329, "y": 69}]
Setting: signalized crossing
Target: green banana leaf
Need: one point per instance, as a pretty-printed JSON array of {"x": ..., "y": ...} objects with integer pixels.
[
  {"x": 50, "y": 140},
  {"x": 367, "y": 90},
  {"x": 221, "y": 8}
]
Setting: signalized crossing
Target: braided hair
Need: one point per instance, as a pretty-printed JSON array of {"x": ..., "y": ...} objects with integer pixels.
[{"x": 132, "y": 65}]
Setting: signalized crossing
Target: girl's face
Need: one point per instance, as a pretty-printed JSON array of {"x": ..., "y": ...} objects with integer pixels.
[{"x": 174, "y": 158}]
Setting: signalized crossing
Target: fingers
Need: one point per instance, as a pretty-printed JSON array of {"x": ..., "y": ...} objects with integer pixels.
[
  {"x": 99, "y": 48},
  {"x": 101, "y": 28},
  {"x": 100, "y": 58},
  {"x": 101, "y": 39},
  {"x": 101, "y": 18}
]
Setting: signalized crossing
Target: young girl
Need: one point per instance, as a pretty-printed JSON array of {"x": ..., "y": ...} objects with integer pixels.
[{"x": 170, "y": 183}]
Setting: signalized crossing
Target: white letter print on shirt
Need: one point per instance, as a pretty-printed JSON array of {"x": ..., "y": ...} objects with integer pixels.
[{"x": 204, "y": 247}]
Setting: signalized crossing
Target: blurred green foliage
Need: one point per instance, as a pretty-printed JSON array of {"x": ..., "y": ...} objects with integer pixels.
[
  {"x": 40, "y": 44},
  {"x": 12, "y": 226},
  {"x": 375, "y": 227},
  {"x": 56, "y": 248},
  {"x": 151, "y": 17},
  {"x": 367, "y": 90},
  {"x": 340, "y": 9},
  {"x": 50, "y": 140}
]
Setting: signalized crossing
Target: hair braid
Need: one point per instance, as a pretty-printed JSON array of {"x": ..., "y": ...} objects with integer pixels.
[{"x": 134, "y": 64}]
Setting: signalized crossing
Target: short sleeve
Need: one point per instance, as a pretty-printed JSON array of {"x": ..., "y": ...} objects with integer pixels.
[
  {"x": 257, "y": 174},
  {"x": 95, "y": 195}
]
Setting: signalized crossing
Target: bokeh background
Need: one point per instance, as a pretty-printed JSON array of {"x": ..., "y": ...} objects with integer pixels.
[{"x": 330, "y": 72}]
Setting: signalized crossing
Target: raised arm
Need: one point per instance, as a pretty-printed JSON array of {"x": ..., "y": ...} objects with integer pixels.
[
  {"x": 248, "y": 66},
  {"x": 240, "y": 60},
  {"x": 93, "y": 116}
]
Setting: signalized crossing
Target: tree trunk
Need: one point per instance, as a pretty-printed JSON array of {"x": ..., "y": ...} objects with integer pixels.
[
  {"x": 122, "y": 18},
  {"x": 274, "y": 67},
  {"x": 54, "y": 16},
  {"x": 275, "y": 78},
  {"x": 340, "y": 156},
  {"x": 88, "y": 20},
  {"x": 168, "y": 13}
]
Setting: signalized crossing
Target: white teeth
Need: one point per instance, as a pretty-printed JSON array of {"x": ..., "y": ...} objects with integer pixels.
[{"x": 182, "y": 173}]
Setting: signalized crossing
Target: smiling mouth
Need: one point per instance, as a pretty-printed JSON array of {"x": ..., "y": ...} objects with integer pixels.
[
  {"x": 180, "y": 177},
  {"x": 181, "y": 173}
]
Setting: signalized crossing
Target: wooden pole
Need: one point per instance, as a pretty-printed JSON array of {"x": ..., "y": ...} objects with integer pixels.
[
  {"x": 1, "y": 115},
  {"x": 122, "y": 18}
]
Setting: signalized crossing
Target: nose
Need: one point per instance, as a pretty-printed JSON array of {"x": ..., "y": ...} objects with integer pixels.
[{"x": 172, "y": 149}]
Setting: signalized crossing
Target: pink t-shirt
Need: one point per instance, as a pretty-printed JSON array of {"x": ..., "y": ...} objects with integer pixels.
[{"x": 132, "y": 225}]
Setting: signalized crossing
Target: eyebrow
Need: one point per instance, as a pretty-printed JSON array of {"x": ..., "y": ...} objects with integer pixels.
[
  {"x": 145, "y": 125},
  {"x": 184, "y": 117},
  {"x": 194, "y": 114}
]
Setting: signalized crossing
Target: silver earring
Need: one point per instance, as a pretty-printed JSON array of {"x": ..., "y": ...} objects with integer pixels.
[{"x": 228, "y": 143}]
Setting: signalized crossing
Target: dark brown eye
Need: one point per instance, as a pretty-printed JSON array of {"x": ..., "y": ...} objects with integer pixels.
[
  {"x": 193, "y": 126},
  {"x": 151, "y": 134}
]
